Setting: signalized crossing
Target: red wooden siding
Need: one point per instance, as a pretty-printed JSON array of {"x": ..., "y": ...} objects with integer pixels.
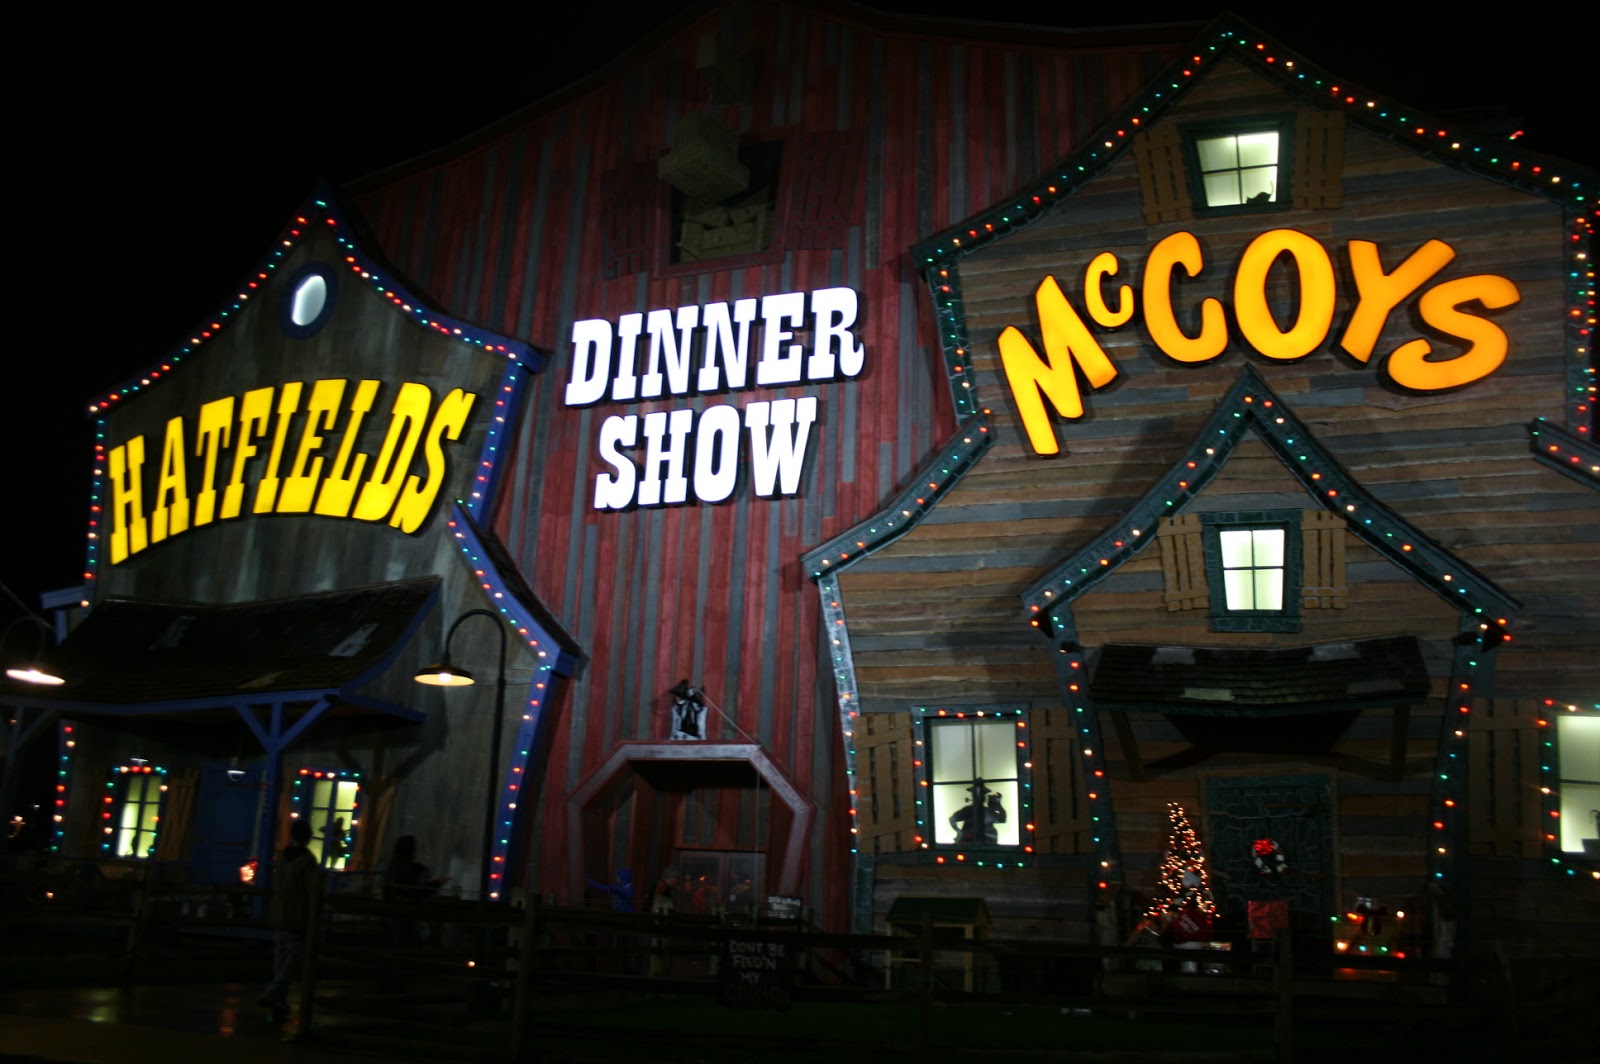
[{"x": 886, "y": 138}]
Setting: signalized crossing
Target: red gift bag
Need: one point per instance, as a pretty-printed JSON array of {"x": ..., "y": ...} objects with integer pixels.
[{"x": 1266, "y": 917}]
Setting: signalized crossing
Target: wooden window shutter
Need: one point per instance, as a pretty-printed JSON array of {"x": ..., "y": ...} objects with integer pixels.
[
  {"x": 1318, "y": 166},
  {"x": 1322, "y": 560},
  {"x": 885, "y": 801},
  {"x": 1183, "y": 562},
  {"x": 1503, "y": 778},
  {"x": 1163, "y": 174},
  {"x": 1060, "y": 794}
]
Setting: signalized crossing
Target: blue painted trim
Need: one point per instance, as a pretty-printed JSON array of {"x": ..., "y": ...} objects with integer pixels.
[
  {"x": 552, "y": 660},
  {"x": 503, "y": 420},
  {"x": 254, "y": 725}
]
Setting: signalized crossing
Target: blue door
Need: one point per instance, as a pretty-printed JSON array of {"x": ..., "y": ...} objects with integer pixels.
[{"x": 225, "y": 818}]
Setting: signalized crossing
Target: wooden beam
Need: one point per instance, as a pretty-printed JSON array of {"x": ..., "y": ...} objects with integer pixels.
[{"x": 1130, "y": 746}]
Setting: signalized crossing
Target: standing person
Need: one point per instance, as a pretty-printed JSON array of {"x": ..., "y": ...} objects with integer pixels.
[
  {"x": 296, "y": 882},
  {"x": 406, "y": 880}
]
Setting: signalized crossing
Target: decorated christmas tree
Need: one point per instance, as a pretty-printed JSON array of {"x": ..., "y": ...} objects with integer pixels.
[{"x": 1185, "y": 885}]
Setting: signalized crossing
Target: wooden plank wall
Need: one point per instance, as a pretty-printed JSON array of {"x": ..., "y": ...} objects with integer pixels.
[
  {"x": 886, "y": 772},
  {"x": 514, "y": 232},
  {"x": 941, "y": 605},
  {"x": 1503, "y": 776},
  {"x": 269, "y": 556}
]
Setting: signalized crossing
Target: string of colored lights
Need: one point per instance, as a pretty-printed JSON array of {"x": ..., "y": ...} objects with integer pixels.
[
  {"x": 1184, "y": 855},
  {"x": 1072, "y": 675},
  {"x": 109, "y": 801},
  {"x": 923, "y": 720},
  {"x": 1225, "y": 37},
  {"x": 1561, "y": 450},
  {"x": 551, "y": 661},
  {"x": 1550, "y": 786},
  {"x": 301, "y": 804},
  {"x": 1250, "y": 405},
  {"x": 930, "y": 484},
  {"x": 844, "y": 682},
  {"x": 66, "y": 742},
  {"x": 361, "y": 263}
]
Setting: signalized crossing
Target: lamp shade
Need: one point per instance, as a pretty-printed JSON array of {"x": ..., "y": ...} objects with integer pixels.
[
  {"x": 444, "y": 675},
  {"x": 34, "y": 673}
]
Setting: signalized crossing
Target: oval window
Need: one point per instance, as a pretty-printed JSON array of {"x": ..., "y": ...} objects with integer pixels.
[
  {"x": 310, "y": 296},
  {"x": 307, "y": 299}
]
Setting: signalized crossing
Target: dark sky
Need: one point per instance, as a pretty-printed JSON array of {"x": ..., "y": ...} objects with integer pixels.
[{"x": 154, "y": 161}]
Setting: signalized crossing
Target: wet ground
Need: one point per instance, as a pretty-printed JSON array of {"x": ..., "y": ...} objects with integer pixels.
[{"x": 166, "y": 1024}]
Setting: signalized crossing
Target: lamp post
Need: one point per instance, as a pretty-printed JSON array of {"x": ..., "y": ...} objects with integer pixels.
[
  {"x": 31, "y": 671},
  {"x": 446, "y": 674}
]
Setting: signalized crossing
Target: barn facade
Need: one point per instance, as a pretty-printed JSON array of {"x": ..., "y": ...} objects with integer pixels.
[{"x": 897, "y": 461}]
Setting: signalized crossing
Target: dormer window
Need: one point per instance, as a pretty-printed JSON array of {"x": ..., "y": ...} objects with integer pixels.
[
  {"x": 1240, "y": 169},
  {"x": 1252, "y": 562},
  {"x": 1272, "y": 162}
]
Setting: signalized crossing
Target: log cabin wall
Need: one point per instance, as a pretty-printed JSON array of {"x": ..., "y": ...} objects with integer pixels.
[
  {"x": 934, "y": 617},
  {"x": 557, "y": 215}
]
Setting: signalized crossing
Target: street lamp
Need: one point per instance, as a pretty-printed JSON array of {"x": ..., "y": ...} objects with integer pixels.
[
  {"x": 446, "y": 674},
  {"x": 31, "y": 670}
]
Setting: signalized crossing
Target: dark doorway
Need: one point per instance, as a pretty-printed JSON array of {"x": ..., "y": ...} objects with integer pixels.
[{"x": 1295, "y": 813}]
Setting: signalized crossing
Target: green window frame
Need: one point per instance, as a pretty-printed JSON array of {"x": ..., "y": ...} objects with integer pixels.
[
  {"x": 131, "y": 813},
  {"x": 1254, "y": 570},
  {"x": 958, "y": 749},
  {"x": 1233, "y": 165},
  {"x": 1577, "y": 781}
]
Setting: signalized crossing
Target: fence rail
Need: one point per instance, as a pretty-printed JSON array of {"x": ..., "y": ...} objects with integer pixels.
[{"x": 502, "y": 969}]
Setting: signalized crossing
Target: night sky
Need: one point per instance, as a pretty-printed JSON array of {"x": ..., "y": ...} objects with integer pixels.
[{"x": 153, "y": 162}]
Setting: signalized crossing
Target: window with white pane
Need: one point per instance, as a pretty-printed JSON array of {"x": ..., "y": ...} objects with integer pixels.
[
  {"x": 132, "y": 810},
  {"x": 1240, "y": 166},
  {"x": 972, "y": 776},
  {"x": 1253, "y": 568},
  {"x": 330, "y": 800},
  {"x": 1578, "y": 776}
]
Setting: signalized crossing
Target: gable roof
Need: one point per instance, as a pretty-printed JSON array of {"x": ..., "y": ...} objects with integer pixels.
[
  {"x": 1568, "y": 184},
  {"x": 1230, "y": 37},
  {"x": 1250, "y": 406}
]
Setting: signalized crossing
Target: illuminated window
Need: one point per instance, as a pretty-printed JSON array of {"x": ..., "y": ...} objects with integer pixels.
[
  {"x": 971, "y": 768},
  {"x": 1240, "y": 166},
  {"x": 1253, "y": 568},
  {"x": 329, "y": 800},
  {"x": 1578, "y": 769},
  {"x": 132, "y": 810},
  {"x": 310, "y": 296},
  {"x": 307, "y": 300}
]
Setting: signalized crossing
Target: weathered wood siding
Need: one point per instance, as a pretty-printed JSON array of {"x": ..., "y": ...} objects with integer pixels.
[
  {"x": 939, "y": 609},
  {"x": 266, "y": 556},
  {"x": 558, "y": 217}
]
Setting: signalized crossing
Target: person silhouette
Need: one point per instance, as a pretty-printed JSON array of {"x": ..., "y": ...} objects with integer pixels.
[{"x": 975, "y": 822}]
